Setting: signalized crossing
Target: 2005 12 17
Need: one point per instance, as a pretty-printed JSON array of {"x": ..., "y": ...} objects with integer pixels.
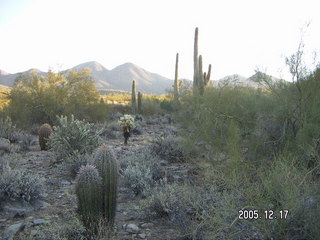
[{"x": 245, "y": 214}]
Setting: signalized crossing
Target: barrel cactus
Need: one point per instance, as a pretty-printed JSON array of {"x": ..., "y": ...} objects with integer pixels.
[
  {"x": 105, "y": 162},
  {"x": 88, "y": 191},
  {"x": 44, "y": 133}
]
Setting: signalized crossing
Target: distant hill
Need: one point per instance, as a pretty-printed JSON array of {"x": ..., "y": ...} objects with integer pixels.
[
  {"x": 256, "y": 81},
  {"x": 7, "y": 79},
  {"x": 120, "y": 79}
]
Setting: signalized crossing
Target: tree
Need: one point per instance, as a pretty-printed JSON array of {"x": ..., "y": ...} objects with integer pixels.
[{"x": 39, "y": 99}]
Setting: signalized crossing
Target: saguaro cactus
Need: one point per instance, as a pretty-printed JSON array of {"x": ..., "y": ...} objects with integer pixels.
[
  {"x": 133, "y": 98},
  {"x": 89, "y": 192},
  {"x": 139, "y": 102},
  {"x": 44, "y": 133},
  {"x": 200, "y": 79},
  {"x": 105, "y": 161},
  {"x": 195, "y": 62},
  {"x": 177, "y": 83}
]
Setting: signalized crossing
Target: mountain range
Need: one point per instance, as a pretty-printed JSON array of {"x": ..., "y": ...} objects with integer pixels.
[{"x": 120, "y": 78}]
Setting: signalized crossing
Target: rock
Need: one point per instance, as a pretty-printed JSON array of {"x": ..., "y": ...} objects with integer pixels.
[
  {"x": 4, "y": 141},
  {"x": 40, "y": 204},
  {"x": 63, "y": 182},
  {"x": 43, "y": 195},
  {"x": 40, "y": 222},
  {"x": 2, "y": 220},
  {"x": 142, "y": 235},
  {"x": 132, "y": 228},
  {"x": 146, "y": 225},
  {"x": 18, "y": 208},
  {"x": 12, "y": 230},
  {"x": 163, "y": 162},
  {"x": 34, "y": 232}
]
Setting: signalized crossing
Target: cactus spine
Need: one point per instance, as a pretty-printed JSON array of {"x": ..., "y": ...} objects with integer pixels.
[
  {"x": 139, "y": 102},
  {"x": 177, "y": 83},
  {"x": 200, "y": 79},
  {"x": 133, "y": 98},
  {"x": 89, "y": 192},
  {"x": 106, "y": 164},
  {"x": 44, "y": 134}
]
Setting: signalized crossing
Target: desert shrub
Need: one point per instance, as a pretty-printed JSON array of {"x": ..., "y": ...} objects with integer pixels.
[
  {"x": 282, "y": 186},
  {"x": 19, "y": 184},
  {"x": 7, "y": 147},
  {"x": 123, "y": 109},
  {"x": 137, "y": 130},
  {"x": 152, "y": 120},
  {"x": 150, "y": 106},
  {"x": 168, "y": 106},
  {"x": 141, "y": 172},
  {"x": 12, "y": 160},
  {"x": 26, "y": 141},
  {"x": 8, "y": 130},
  {"x": 168, "y": 148},
  {"x": 73, "y": 136},
  {"x": 114, "y": 116},
  {"x": 73, "y": 163},
  {"x": 187, "y": 207},
  {"x": 68, "y": 227},
  {"x": 110, "y": 130}
]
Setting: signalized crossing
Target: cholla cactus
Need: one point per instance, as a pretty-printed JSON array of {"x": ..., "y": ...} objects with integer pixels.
[
  {"x": 127, "y": 123},
  {"x": 74, "y": 136}
]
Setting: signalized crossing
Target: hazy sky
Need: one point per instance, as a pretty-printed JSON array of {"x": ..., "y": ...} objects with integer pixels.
[{"x": 235, "y": 36}]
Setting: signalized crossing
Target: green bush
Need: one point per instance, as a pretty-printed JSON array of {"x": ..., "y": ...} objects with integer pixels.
[
  {"x": 73, "y": 136},
  {"x": 263, "y": 146},
  {"x": 38, "y": 99}
]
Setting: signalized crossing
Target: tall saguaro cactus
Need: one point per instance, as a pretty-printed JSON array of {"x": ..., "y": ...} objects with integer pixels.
[
  {"x": 177, "y": 83},
  {"x": 195, "y": 62},
  {"x": 133, "y": 98},
  {"x": 200, "y": 79}
]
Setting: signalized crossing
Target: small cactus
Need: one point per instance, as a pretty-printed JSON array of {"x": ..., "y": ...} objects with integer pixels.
[
  {"x": 89, "y": 191},
  {"x": 44, "y": 133},
  {"x": 105, "y": 161}
]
